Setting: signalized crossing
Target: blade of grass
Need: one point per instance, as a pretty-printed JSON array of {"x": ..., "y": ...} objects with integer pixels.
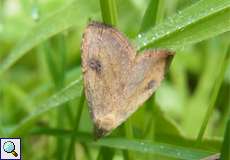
[
  {"x": 145, "y": 147},
  {"x": 128, "y": 129},
  {"x": 188, "y": 26},
  {"x": 197, "y": 104},
  {"x": 87, "y": 152},
  {"x": 55, "y": 23},
  {"x": 56, "y": 65},
  {"x": 160, "y": 11},
  {"x": 105, "y": 153},
  {"x": 69, "y": 93},
  {"x": 50, "y": 62},
  {"x": 150, "y": 130},
  {"x": 153, "y": 148},
  {"x": 151, "y": 15},
  {"x": 226, "y": 115},
  {"x": 60, "y": 81},
  {"x": 71, "y": 149},
  {"x": 20, "y": 95},
  {"x": 225, "y": 151},
  {"x": 214, "y": 95},
  {"x": 109, "y": 12}
]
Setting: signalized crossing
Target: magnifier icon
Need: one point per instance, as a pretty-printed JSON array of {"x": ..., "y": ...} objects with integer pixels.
[{"x": 9, "y": 147}]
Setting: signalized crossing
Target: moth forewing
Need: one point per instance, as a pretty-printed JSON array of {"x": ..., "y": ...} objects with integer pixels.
[{"x": 117, "y": 80}]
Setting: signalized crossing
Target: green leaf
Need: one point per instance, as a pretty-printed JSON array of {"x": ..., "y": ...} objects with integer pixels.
[
  {"x": 80, "y": 106},
  {"x": 72, "y": 91},
  {"x": 225, "y": 152},
  {"x": 204, "y": 19},
  {"x": 56, "y": 23},
  {"x": 223, "y": 67},
  {"x": 105, "y": 153},
  {"x": 131, "y": 145},
  {"x": 151, "y": 14},
  {"x": 153, "y": 148}
]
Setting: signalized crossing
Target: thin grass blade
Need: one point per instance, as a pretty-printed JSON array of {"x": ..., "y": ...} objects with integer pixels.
[
  {"x": 225, "y": 151},
  {"x": 69, "y": 93},
  {"x": 204, "y": 19}
]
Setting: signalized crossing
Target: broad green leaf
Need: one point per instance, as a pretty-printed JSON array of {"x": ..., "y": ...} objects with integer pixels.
[
  {"x": 72, "y": 91},
  {"x": 131, "y": 145},
  {"x": 204, "y": 19},
  {"x": 69, "y": 16}
]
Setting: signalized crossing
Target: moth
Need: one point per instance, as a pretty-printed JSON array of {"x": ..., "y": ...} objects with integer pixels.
[{"x": 117, "y": 80}]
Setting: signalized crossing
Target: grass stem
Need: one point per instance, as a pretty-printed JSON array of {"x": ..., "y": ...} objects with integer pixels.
[
  {"x": 214, "y": 95},
  {"x": 71, "y": 149},
  {"x": 109, "y": 12}
]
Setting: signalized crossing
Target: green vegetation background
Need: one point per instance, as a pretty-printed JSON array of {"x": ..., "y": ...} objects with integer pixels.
[{"x": 41, "y": 97}]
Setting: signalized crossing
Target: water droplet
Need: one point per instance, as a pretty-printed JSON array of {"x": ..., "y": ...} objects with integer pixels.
[
  {"x": 139, "y": 36},
  {"x": 35, "y": 14},
  {"x": 179, "y": 27}
]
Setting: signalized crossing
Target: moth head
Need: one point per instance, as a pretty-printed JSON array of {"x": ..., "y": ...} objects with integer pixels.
[{"x": 104, "y": 124}]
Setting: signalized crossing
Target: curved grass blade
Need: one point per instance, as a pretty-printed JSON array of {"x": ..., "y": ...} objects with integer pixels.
[
  {"x": 56, "y": 23},
  {"x": 153, "y": 148},
  {"x": 204, "y": 19},
  {"x": 69, "y": 93},
  {"x": 168, "y": 150}
]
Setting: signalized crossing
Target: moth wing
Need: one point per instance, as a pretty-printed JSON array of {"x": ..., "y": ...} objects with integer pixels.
[
  {"x": 145, "y": 77},
  {"x": 106, "y": 55}
]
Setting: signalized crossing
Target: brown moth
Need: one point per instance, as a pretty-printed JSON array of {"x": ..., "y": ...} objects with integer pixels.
[{"x": 117, "y": 80}]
